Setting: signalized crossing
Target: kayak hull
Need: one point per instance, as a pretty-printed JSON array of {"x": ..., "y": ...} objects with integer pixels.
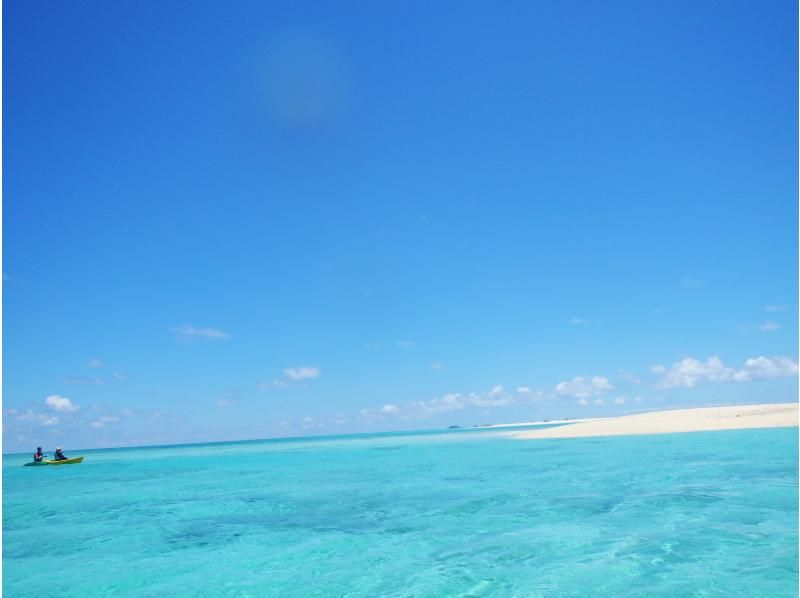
[
  {"x": 65, "y": 461},
  {"x": 73, "y": 461}
]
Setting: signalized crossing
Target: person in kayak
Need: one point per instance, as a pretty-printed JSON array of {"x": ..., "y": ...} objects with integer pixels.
[
  {"x": 59, "y": 456},
  {"x": 38, "y": 455}
]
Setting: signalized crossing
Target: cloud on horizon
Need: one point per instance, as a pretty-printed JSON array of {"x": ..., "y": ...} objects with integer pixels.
[
  {"x": 498, "y": 396},
  {"x": 302, "y": 372},
  {"x": 188, "y": 332},
  {"x": 774, "y": 308},
  {"x": 104, "y": 420},
  {"x": 583, "y": 388},
  {"x": 30, "y": 415},
  {"x": 688, "y": 372}
]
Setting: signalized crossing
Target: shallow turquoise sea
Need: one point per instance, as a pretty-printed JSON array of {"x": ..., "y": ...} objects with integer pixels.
[{"x": 462, "y": 513}]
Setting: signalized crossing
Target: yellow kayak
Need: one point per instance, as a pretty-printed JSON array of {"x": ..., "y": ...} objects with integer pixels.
[{"x": 62, "y": 462}]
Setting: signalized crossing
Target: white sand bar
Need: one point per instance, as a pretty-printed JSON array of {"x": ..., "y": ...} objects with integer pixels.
[{"x": 735, "y": 417}]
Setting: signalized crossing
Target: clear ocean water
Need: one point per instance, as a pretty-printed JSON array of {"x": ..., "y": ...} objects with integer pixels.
[{"x": 461, "y": 513}]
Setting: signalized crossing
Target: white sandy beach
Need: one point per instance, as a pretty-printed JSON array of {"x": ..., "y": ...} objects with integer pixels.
[{"x": 735, "y": 417}]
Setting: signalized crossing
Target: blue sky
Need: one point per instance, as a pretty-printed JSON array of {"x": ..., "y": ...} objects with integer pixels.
[{"x": 254, "y": 219}]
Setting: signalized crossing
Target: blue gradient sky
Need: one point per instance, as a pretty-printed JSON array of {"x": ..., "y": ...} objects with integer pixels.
[{"x": 260, "y": 219}]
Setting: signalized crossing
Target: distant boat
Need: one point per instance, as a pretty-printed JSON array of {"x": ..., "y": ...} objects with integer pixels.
[{"x": 453, "y": 427}]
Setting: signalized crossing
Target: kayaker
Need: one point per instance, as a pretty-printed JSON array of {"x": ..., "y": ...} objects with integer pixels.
[
  {"x": 59, "y": 455},
  {"x": 38, "y": 455}
]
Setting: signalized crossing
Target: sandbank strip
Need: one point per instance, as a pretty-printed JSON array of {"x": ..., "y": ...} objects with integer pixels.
[{"x": 702, "y": 419}]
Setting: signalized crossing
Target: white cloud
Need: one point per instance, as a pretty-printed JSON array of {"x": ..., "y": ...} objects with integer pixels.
[
  {"x": 188, "y": 332},
  {"x": 599, "y": 402},
  {"x": 496, "y": 397},
  {"x": 225, "y": 402},
  {"x": 630, "y": 376},
  {"x": 276, "y": 383},
  {"x": 688, "y": 372},
  {"x": 601, "y": 384},
  {"x": 582, "y": 388},
  {"x": 493, "y": 400},
  {"x": 578, "y": 321},
  {"x": 292, "y": 375},
  {"x": 106, "y": 419},
  {"x": 437, "y": 365},
  {"x": 619, "y": 400},
  {"x": 583, "y": 402},
  {"x": 766, "y": 368},
  {"x": 405, "y": 344},
  {"x": 28, "y": 415},
  {"x": 445, "y": 403},
  {"x": 691, "y": 283},
  {"x": 769, "y": 326},
  {"x": 303, "y": 372},
  {"x": 307, "y": 422},
  {"x": 637, "y": 400},
  {"x": 94, "y": 362},
  {"x": 774, "y": 308},
  {"x": 527, "y": 394},
  {"x": 59, "y": 403}
]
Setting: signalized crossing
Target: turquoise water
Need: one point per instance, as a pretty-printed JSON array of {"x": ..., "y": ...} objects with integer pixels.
[{"x": 446, "y": 514}]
